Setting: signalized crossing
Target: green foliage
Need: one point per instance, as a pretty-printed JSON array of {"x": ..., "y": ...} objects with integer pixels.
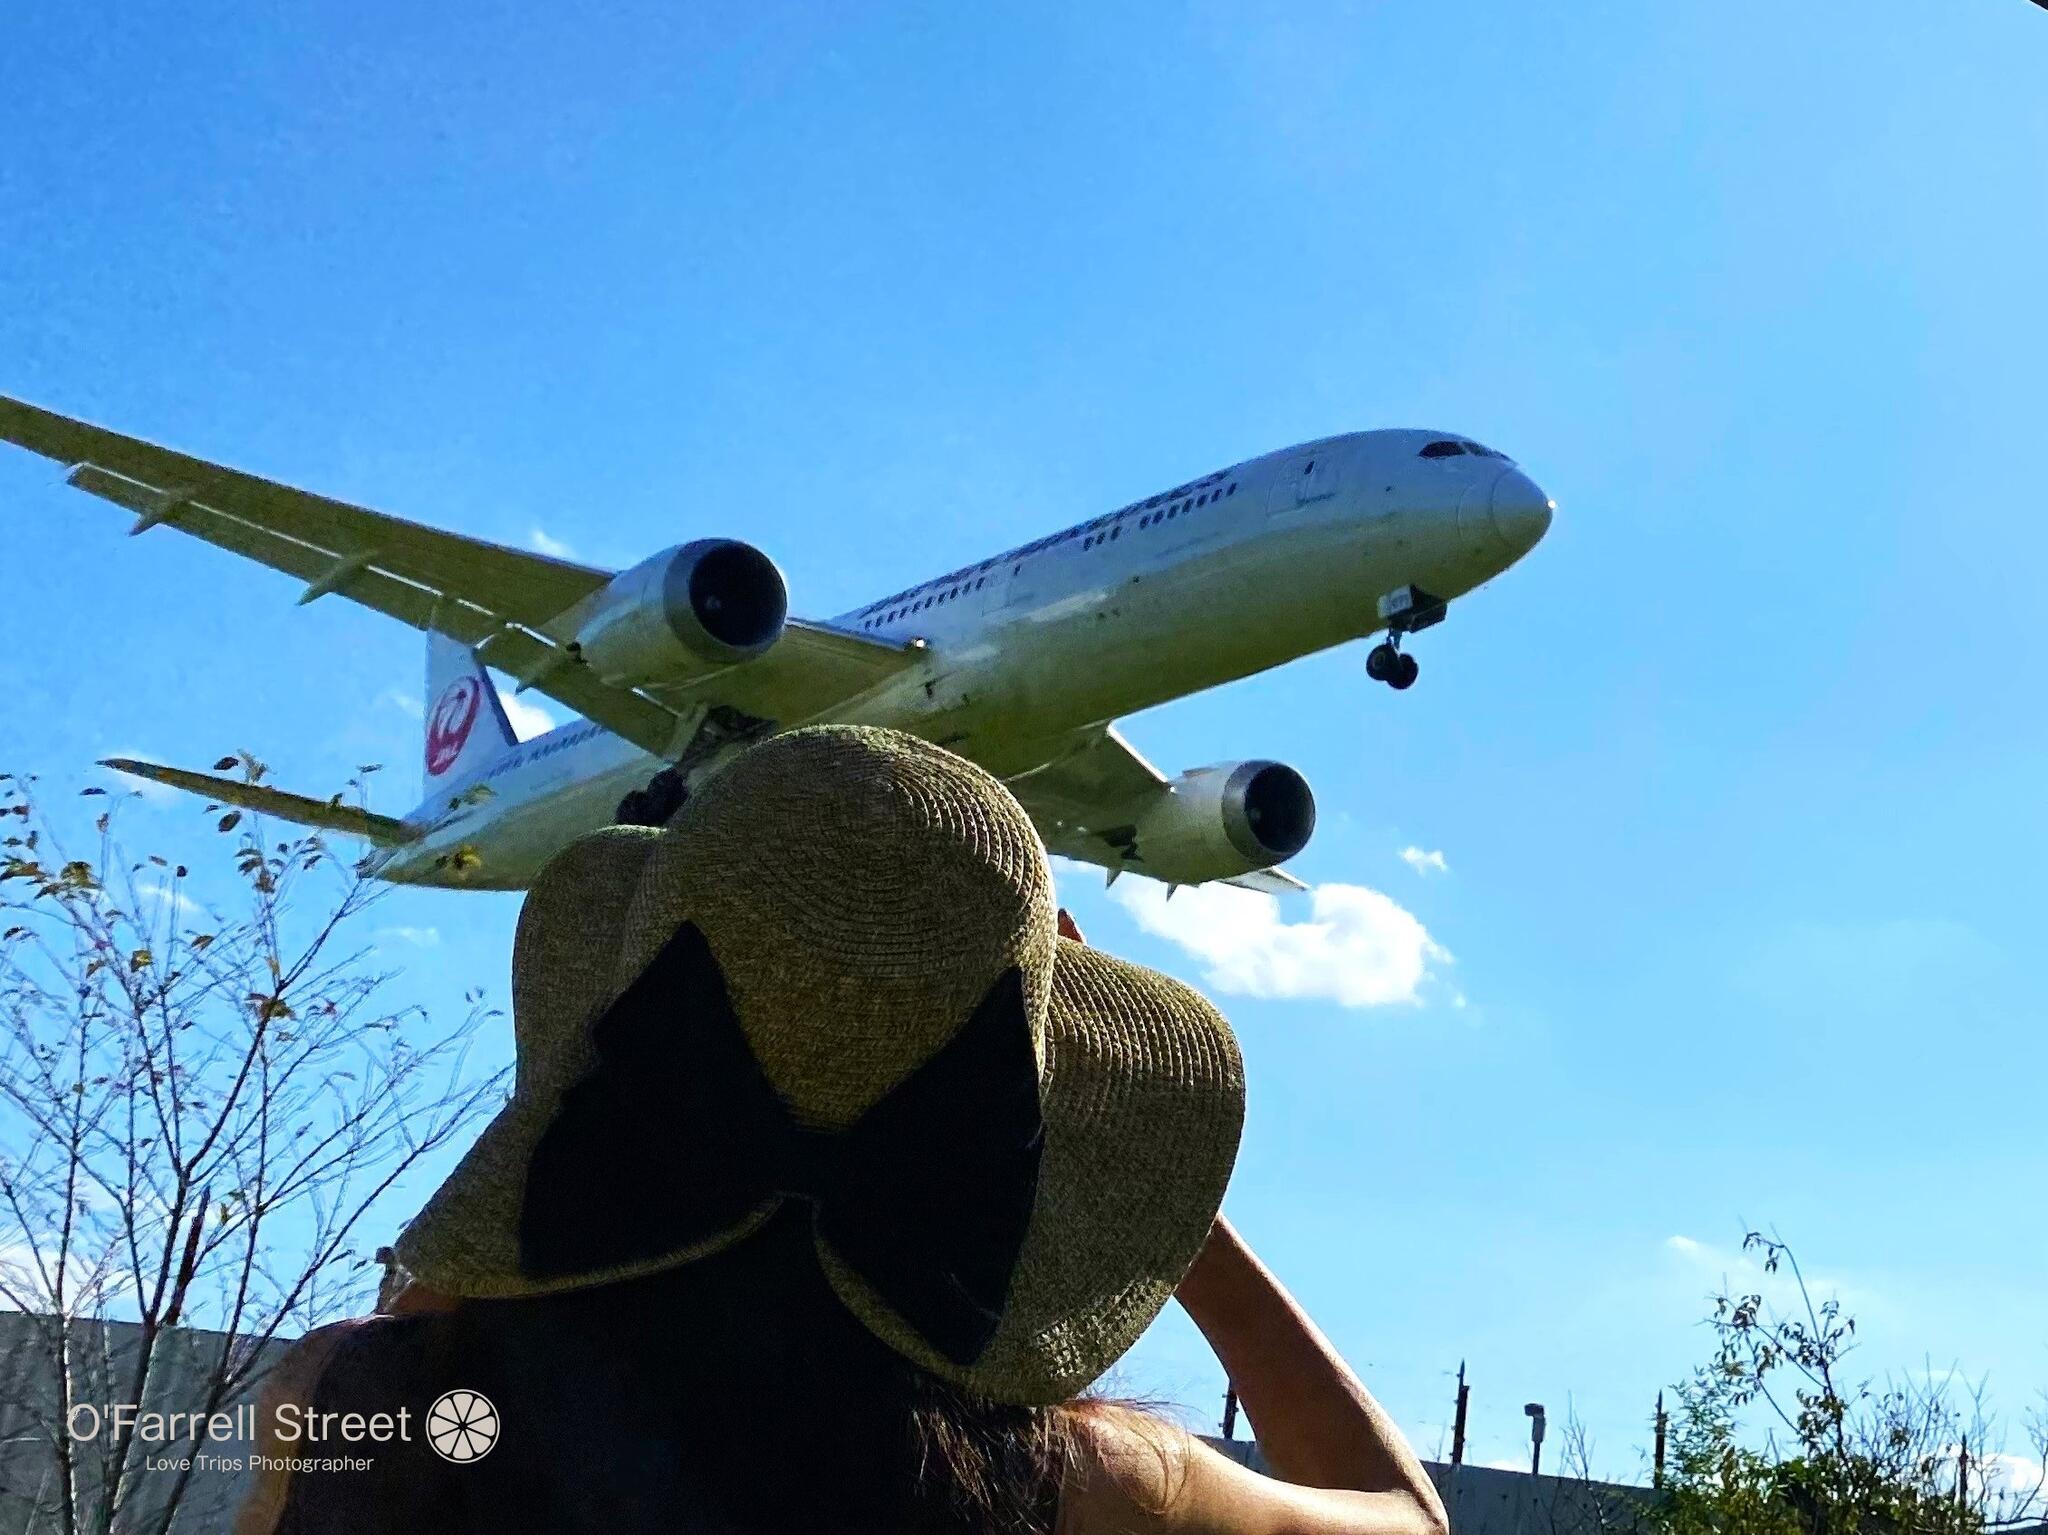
[{"x": 1835, "y": 1456}]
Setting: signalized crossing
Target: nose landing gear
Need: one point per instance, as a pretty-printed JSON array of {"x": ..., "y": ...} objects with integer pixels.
[
  {"x": 1404, "y": 610},
  {"x": 1384, "y": 663}
]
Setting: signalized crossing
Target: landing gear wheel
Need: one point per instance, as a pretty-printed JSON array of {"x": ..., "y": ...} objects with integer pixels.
[
  {"x": 1405, "y": 610},
  {"x": 1383, "y": 663}
]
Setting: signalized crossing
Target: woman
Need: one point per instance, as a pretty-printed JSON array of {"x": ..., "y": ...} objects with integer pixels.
[{"x": 833, "y": 1174}]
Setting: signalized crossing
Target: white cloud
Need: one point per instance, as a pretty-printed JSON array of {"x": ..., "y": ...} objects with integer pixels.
[
  {"x": 2013, "y": 1479},
  {"x": 148, "y": 788},
  {"x": 418, "y": 937},
  {"x": 1425, "y": 862},
  {"x": 1358, "y": 948},
  {"x": 551, "y": 546},
  {"x": 528, "y": 720},
  {"x": 157, "y": 894},
  {"x": 1744, "y": 1273},
  {"x": 90, "y": 1278}
]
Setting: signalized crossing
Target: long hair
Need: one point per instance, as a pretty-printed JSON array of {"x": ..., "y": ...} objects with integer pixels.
[
  {"x": 791, "y": 1415},
  {"x": 735, "y": 1394}
]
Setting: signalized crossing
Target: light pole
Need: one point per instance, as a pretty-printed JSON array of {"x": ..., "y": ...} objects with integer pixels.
[{"x": 1535, "y": 1412}]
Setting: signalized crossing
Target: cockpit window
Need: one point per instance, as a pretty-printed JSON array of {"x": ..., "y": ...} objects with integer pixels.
[{"x": 1442, "y": 449}]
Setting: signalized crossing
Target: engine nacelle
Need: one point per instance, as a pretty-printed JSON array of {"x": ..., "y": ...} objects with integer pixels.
[
  {"x": 687, "y": 610},
  {"x": 1226, "y": 820}
]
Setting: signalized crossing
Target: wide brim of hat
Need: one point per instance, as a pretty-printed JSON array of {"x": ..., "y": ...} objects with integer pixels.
[{"x": 1142, "y": 1102}]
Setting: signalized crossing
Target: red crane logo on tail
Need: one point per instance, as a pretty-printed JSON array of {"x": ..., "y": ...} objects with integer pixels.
[{"x": 448, "y": 726}]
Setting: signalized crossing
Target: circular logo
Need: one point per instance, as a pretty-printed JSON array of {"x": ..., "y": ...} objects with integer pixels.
[
  {"x": 462, "y": 1426},
  {"x": 448, "y": 726}
]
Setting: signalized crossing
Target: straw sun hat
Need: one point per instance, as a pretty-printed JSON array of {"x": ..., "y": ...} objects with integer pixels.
[{"x": 834, "y": 978}]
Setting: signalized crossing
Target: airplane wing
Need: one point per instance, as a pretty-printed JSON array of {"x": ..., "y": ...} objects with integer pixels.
[
  {"x": 1085, "y": 799},
  {"x": 251, "y": 516},
  {"x": 1096, "y": 782},
  {"x": 497, "y": 599},
  {"x": 329, "y": 814},
  {"x": 811, "y": 668}
]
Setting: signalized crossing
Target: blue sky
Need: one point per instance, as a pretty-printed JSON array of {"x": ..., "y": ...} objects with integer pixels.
[{"x": 1736, "y": 781}]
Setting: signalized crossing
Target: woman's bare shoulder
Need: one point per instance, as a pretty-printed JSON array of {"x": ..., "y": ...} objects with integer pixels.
[
  {"x": 293, "y": 1378},
  {"x": 1124, "y": 1470}
]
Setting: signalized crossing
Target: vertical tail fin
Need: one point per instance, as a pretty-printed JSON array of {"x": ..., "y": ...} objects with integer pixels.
[{"x": 466, "y": 728}]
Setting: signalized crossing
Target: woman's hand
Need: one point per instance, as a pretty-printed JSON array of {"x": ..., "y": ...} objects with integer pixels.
[{"x": 1216, "y": 1253}]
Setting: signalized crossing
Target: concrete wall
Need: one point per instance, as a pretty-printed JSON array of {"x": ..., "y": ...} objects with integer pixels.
[
  {"x": 102, "y": 1357},
  {"x": 1483, "y": 1500}
]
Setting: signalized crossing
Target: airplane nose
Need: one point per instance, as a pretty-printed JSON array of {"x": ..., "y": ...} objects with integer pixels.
[{"x": 1521, "y": 512}]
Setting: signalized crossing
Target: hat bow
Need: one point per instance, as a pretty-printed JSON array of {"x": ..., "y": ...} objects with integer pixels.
[{"x": 677, "y": 1138}]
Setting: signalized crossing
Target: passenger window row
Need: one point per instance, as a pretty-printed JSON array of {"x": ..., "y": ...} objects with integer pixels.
[
  {"x": 1168, "y": 513},
  {"x": 1161, "y": 508},
  {"x": 961, "y": 589}
]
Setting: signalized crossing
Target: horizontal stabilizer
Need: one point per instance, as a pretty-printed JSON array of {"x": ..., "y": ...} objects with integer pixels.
[{"x": 328, "y": 814}]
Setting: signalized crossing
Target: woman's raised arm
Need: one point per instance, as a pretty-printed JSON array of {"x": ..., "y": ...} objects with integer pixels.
[{"x": 1339, "y": 1465}]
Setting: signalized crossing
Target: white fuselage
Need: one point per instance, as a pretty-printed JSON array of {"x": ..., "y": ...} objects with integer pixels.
[{"x": 1235, "y": 572}]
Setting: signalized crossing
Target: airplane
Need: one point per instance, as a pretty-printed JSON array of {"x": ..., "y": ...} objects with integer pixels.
[{"x": 1020, "y": 662}]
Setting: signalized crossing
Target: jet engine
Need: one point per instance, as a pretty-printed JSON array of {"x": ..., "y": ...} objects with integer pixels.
[
  {"x": 1226, "y": 820},
  {"x": 688, "y": 610}
]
